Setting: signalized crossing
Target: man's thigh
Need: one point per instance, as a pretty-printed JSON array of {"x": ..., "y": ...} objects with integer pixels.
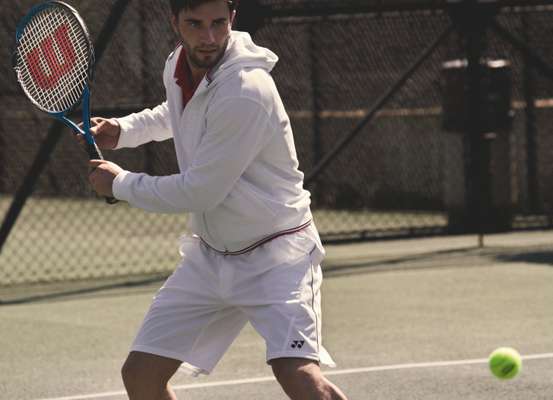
[
  {"x": 283, "y": 303},
  {"x": 188, "y": 320}
]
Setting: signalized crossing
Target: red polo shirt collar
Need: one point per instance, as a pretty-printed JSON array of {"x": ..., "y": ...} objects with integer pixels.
[{"x": 183, "y": 77}]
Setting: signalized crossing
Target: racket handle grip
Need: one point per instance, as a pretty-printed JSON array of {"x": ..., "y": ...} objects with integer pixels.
[
  {"x": 93, "y": 151},
  {"x": 95, "y": 154}
]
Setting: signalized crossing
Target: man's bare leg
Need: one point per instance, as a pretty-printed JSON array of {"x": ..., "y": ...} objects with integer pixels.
[
  {"x": 302, "y": 379},
  {"x": 146, "y": 376}
]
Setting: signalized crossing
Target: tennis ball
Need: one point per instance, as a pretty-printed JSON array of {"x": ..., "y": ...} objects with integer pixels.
[{"x": 505, "y": 363}]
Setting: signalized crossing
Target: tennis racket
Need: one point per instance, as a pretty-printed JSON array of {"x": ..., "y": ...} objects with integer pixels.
[{"x": 54, "y": 62}]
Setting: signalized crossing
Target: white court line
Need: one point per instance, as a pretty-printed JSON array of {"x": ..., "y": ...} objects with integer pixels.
[{"x": 327, "y": 373}]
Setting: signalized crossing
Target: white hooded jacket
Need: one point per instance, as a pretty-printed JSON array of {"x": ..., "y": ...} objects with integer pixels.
[{"x": 239, "y": 174}]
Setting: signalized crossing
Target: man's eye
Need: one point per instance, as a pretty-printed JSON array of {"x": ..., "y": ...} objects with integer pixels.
[{"x": 193, "y": 24}]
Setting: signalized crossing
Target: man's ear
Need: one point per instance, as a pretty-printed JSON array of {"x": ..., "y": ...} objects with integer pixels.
[
  {"x": 175, "y": 24},
  {"x": 232, "y": 18}
]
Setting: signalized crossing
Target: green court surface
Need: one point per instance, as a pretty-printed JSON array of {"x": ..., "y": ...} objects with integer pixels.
[{"x": 412, "y": 319}]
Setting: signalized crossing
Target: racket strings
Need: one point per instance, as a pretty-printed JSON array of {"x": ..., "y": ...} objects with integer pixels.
[{"x": 53, "y": 60}]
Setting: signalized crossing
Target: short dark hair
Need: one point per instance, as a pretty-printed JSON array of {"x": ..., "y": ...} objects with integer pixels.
[{"x": 178, "y": 5}]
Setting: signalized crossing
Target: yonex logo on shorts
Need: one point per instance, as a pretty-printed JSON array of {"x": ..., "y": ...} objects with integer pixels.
[{"x": 297, "y": 344}]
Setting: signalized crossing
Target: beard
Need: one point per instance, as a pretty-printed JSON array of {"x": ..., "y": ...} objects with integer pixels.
[{"x": 205, "y": 60}]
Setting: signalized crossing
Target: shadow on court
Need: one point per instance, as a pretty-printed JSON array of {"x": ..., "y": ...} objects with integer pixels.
[
  {"x": 413, "y": 319},
  {"x": 538, "y": 257}
]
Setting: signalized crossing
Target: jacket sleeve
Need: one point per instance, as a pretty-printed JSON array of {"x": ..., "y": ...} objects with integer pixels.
[
  {"x": 145, "y": 126},
  {"x": 237, "y": 130}
]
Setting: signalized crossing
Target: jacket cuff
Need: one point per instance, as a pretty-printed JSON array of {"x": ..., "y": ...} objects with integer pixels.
[
  {"x": 121, "y": 186},
  {"x": 125, "y": 124}
]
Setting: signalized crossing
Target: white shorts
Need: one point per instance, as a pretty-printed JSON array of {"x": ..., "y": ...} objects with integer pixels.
[{"x": 205, "y": 303}]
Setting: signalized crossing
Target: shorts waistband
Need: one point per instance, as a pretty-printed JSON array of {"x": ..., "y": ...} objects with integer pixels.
[{"x": 260, "y": 242}]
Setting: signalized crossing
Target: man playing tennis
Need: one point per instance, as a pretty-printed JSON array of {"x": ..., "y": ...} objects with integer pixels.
[{"x": 255, "y": 252}]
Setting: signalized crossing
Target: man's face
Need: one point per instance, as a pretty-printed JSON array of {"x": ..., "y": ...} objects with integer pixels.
[{"x": 204, "y": 32}]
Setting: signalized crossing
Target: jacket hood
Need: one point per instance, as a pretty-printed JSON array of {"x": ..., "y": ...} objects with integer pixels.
[{"x": 241, "y": 53}]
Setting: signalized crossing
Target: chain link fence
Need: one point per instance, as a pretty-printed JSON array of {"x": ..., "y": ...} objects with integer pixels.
[{"x": 397, "y": 176}]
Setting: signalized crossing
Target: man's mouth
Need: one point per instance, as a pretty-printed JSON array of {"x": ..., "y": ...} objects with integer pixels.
[{"x": 207, "y": 51}]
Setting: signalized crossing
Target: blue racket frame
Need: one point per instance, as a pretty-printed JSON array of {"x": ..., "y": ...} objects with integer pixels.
[{"x": 90, "y": 144}]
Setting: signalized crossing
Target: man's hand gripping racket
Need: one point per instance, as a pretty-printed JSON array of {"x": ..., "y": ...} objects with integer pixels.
[{"x": 54, "y": 62}]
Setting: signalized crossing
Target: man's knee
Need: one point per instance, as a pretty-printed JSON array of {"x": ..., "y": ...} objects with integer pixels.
[
  {"x": 131, "y": 370},
  {"x": 140, "y": 368},
  {"x": 290, "y": 369},
  {"x": 297, "y": 375},
  {"x": 303, "y": 379}
]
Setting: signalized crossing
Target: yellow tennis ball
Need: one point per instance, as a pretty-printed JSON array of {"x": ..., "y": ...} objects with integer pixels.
[{"x": 505, "y": 363}]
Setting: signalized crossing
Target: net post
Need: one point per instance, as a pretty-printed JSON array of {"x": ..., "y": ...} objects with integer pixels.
[{"x": 475, "y": 148}]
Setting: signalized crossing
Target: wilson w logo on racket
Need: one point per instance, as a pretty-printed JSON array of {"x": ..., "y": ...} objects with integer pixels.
[
  {"x": 53, "y": 58},
  {"x": 53, "y": 61}
]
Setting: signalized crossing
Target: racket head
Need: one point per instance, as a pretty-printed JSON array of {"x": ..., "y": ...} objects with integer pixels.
[{"x": 53, "y": 57}]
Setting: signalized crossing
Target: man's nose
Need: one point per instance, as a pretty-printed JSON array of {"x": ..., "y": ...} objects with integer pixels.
[{"x": 208, "y": 36}]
